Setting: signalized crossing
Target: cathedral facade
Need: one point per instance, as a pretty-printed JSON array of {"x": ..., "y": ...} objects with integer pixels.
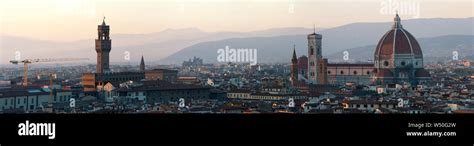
[
  {"x": 398, "y": 60},
  {"x": 319, "y": 71}
]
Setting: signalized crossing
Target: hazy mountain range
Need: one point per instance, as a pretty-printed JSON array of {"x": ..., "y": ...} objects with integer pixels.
[
  {"x": 441, "y": 47},
  {"x": 279, "y": 49},
  {"x": 335, "y": 40},
  {"x": 273, "y": 45},
  {"x": 153, "y": 46}
]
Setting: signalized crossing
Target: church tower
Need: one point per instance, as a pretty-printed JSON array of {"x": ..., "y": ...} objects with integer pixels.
[
  {"x": 315, "y": 57},
  {"x": 294, "y": 68},
  {"x": 142, "y": 65},
  {"x": 103, "y": 45}
]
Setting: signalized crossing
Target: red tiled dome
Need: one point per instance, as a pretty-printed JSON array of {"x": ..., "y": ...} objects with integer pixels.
[
  {"x": 397, "y": 41},
  {"x": 398, "y": 57}
]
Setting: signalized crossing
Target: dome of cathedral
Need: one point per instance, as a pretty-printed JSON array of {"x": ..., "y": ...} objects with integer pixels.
[
  {"x": 398, "y": 57},
  {"x": 397, "y": 41}
]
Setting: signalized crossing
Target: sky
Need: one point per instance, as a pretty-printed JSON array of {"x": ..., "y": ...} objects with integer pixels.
[{"x": 69, "y": 20}]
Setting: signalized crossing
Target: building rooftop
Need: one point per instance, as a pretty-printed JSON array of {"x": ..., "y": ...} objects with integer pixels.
[
  {"x": 351, "y": 65},
  {"x": 159, "y": 85},
  {"x": 10, "y": 92},
  {"x": 161, "y": 70}
]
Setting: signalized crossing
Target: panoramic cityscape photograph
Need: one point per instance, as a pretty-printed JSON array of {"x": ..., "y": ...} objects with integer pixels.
[{"x": 406, "y": 63}]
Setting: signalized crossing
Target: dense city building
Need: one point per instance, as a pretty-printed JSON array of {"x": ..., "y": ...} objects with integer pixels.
[
  {"x": 31, "y": 99},
  {"x": 162, "y": 74},
  {"x": 194, "y": 62},
  {"x": 163, "y": 92},
  {"x": 91, "y": 80},
  {"x": 341, "y": 73}
]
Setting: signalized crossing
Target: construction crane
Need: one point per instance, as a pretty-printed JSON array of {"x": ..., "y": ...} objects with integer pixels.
[
  {"x": 28, "y": 61},
  {"x": 52, "y": 76}
]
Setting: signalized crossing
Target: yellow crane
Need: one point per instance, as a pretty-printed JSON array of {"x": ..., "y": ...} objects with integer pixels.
[
  {"x": 28, "y": 61},
  {"x": 52, "y": 76}
]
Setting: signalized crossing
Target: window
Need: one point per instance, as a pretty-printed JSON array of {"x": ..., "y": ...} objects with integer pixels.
[
  {"x": 402, "y": 75},
  {"x": 329, "y": 72},
  {"x": 368, "y": 72},
  {"x": 25, "y": 100},
  {"x": 385, "y": 63},
  {"x": 403, "y": 63},
  {"x": 6, "y": 102},
  {"x": 355, "y": 72},
  {"x": 342, "y": 72},
  {"x": 311, "y": 50}
]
